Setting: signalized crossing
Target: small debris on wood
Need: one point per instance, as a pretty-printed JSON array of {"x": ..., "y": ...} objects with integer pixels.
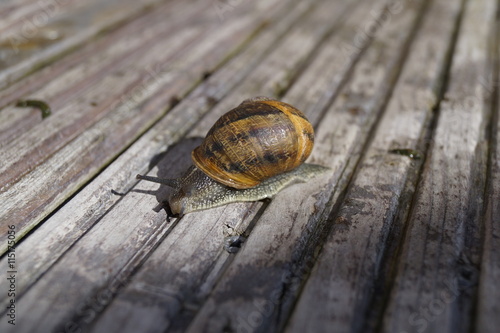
[
  {"x": 232, "y": 244},
  {"x": 413, "y": 154},
  {"x": 34, "y": 103}
]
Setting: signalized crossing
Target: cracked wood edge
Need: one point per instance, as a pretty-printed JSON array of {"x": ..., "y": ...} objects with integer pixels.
[
  {"x": 352, "y": 258},
  {"x": 64, "y": 80},
  {"x": 166, "y": 273},
  {"x": 95, "y": 240},
  {"x": 68, "y": 169},
  {"x": 488, "y": 304},
  {"x": 435, "y": 284},
  {"x": 268, "y": 262},
  {"x": 58, "y": 233},
  {"x": 116, "y": 13}
]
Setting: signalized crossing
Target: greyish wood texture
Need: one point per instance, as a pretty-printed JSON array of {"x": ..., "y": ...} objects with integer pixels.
[{"x": 402, "y": 234}]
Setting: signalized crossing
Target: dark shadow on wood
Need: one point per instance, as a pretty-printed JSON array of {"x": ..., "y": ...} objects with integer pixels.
[{"x": 171, "y": 163}]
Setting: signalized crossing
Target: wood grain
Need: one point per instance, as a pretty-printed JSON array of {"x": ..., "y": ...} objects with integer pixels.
[
  {"x": 75, "y": 163},
  {"x": 80, "y": 25},
  {"x": 352, "y": 260},
  {"x": 97, "y": 84},
  {"x": 436, "y": 278},
  {"x": 166, "y": 295},
  {"x": 20, "y": 16},
  {"x": 79, "y": 262},
  {"x": 488, "y": 294},
  {"x": 401, "y": 235},
  {"x": 257, "y": 291},
  {"x": 58, "y": 233},
  {"x": 61, "y": 82}
]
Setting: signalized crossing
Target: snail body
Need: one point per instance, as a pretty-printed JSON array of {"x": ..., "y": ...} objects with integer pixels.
[{"x": 251, "y": 153}]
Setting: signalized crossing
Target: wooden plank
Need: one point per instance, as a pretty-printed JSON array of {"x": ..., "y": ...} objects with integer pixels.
[
  {"x": 436, "y": 278},
  {"x": 20, "y": 16},
  {"x": 61, "y": 82},
  {"x": 44, "y": 247},
  {"x": 58, "y": 233},
  {"x": 274, "y": 252},
  {"x": 89, "y": 241},
  {"x": 78, "y": 26},
  {"x": 98, "y": 96},
  {"x": 176, "y": 273},
  {"x": 106, "y": 263},
  {"x": 488, "y": 304},
  {"x": 162, "y": 295},
  {"x": 130, "y": 252},
  {"x": 82, "y": 96},
  {"x": 358, "y": 250},
  {"x": 64, "y": 172}
]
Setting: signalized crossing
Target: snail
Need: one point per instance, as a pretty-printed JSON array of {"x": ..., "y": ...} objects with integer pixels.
[{"x": 251, "y": 153}]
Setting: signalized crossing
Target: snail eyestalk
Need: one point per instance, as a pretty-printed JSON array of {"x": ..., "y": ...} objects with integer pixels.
[{"x": 169, "y": 182}]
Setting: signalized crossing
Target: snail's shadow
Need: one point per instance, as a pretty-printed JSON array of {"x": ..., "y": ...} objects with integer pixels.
[{"x": 171, "y": 163}]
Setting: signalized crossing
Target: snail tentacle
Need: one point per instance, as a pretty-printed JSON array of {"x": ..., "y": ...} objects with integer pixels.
[{"x": 165, "y": 181}]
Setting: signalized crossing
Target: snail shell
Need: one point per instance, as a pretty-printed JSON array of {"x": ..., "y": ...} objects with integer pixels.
[
  {"x": 255, "y": 141},
  {"x": 251, "y": 153}
]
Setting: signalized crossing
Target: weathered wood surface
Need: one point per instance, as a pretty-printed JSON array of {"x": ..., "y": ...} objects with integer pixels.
[
  {"x": 40, "y": 31},
  {"x": 85, "y": 155},
  {"x": 94, "y": 200},
  {"x": 488, "y": 294},
  {"x": 437, "y": 271},
  {"x": 385, "y": 241},
  {"x": 376, "y": 201}
]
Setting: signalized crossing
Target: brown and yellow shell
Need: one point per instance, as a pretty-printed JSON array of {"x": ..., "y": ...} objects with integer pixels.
[{"x": 257, "y": 140}]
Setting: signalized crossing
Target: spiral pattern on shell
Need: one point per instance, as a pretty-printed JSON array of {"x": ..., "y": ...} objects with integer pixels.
[{"x": 257, "y": 140}]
